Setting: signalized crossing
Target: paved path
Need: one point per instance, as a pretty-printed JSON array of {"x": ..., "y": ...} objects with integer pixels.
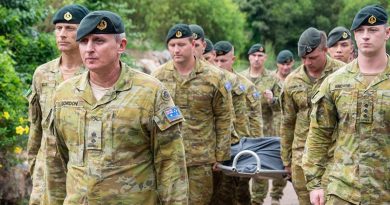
[{"x": 289, "y": 196}]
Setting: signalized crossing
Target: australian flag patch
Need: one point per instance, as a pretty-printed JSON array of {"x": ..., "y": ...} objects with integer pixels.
[
  {"x": 228, "y": 86},
  {"x": 173, "y": 114}
]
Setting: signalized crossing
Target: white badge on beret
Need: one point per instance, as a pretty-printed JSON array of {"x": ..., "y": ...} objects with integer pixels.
[{"x": 68, "y": 16}]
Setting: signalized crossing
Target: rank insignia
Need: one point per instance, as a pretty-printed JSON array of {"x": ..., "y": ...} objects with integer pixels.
[
  {"x": 178, "y": 34},
  {"x": 68, "y": 16},
  {"x": 173, "y": 114},
  {"x": 228, "y": 86},
  {"x": 345, "y": 35},
  {"x": 102, "y": 25},
  {"x": 372, "y": 20}
]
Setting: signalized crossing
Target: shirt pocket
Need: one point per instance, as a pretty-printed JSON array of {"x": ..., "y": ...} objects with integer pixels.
[{"x": 301, "y": 98}]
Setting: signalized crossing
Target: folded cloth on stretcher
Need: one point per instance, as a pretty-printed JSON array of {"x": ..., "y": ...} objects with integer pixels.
[{"x": 244, "y": 162}]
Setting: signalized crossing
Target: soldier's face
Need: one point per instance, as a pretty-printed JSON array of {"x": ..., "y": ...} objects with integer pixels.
[
  {"x": 210, "y": 57},
  {"x": 101, "y": 52},
  {"x": 371, "y": 39},
  {"x": 316, "y": 60},
  {"x": 257, "y": 59},
  {"x": 342, "y": 50},
  {"x": 66, "y": 37},
  {"x": 285, "y": 68},
  {"x": 225, "y": 61},
  {"x": 200, "y": 45},
  {"x": 181, "y": 49}
]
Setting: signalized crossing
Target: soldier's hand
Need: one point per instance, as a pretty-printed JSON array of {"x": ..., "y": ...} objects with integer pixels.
[
  {"x": 215, "y": 167},
  {"x": 317, "y": 197},
  {"x": 268, "y": 95}
]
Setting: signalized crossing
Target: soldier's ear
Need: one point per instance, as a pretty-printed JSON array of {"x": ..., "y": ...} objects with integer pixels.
[{"x": 122, "y": 46}]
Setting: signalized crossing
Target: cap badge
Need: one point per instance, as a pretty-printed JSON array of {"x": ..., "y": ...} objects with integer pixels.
[
  {"x": 308, "y": 49},
  {"x": 194, "y": 35},
  {"x": 219, "y": 52},
  {"x": 372, "y": 20},
  {"x": 261, "y": 49},
  {"x": 68, "y": 16},
  {"x": 178, "y": 34},
  {"x": 102, "y": 25},
  {"x": 345, "y": 35}
]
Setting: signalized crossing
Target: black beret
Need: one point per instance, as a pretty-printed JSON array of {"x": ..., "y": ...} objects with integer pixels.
[
  {"x": 309, "y": 40},
  {"x": 209, "y": 46},
  {"x": 371, "y": 15},
  {"x": 284, "y": 56},
  {"x": 222, "y": 47},
  {"x": 179, "y": 31},
  {"x": 337, "y": 34},
  {"x": 197, "y": 31},
  {"x": 72, "y": 14},
  {"x": 100, "y": 22},
  {"x": 256, "y": 48}
]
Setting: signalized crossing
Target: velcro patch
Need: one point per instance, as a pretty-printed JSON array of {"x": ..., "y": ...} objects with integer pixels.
[
  {"x": 228, "y": 86},
  {"x": 242, "y": 87},
  {"x": 173, "y": 114},
  {"x": 256, "y": 95}
]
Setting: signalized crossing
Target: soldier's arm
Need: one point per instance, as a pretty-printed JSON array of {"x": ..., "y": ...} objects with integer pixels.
[
  {"x": 322, "y": 124},
  {"x": 222, "y": 115},
  {"x": 255, "y": 115},
  {"x": 56, "y": 161},
  {"x": 35, "y": 118},
  {"x": 168, "y": 149},
  {"x": 289, "y": 115}
]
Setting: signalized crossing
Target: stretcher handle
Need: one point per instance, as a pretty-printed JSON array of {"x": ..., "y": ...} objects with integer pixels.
[{"x": 246, "y": 152}]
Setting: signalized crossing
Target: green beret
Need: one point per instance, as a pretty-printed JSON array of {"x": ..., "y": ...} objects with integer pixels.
[
  {"x": 256, "y": 48},
  {"x": 371, "y": 15},
  {"x": 337, "y": 34},
  {"x": 72, "y": 14},
  {"x": 310, "y": 39},
  {"x": 178, "y": 31},
  {"x": 284, "y": 56},
  {"x": 209, "y": 46},
  {"x": 100, "y": 22},
  {"x": 197, "y": 31},
  {"x": 222, "y": 47}
]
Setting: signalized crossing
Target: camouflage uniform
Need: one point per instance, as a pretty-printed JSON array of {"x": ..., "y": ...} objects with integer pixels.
[
  {"x": 296, "y": 106},
  {"x": 45, "y": 80},
  {"x": 361, "y": 113},
  {"x": 263, "y": 82},
  {"x": 204, "y": 102},
  {"x": 125, "y": 148}
]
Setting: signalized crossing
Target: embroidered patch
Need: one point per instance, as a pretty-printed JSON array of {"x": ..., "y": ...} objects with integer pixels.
[
  {"x": 165, "y": 95},
  {"x": 228, "y": 86},
  {"x": 173, "y": 114},
  {"x": 256, "y": 95},
  {"x": 242, "y": 87}
]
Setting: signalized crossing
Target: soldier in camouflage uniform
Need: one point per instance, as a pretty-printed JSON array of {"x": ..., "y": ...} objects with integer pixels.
[
  {"x": 117, "y": 130},
  {"x": 298, "y": 89},
  {"x": 355, "y": 100},
  {"x": 247, "y": 108},
  {"x": 263, "y": 79},
  {"x": 196, "y": 87},
  {"x": 209, "y": 52},
  {"x": 45, "y": 80},
  {"x": 340, "y": 45}
]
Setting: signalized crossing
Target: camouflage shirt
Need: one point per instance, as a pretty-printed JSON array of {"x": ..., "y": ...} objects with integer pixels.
[
  {"x": 276, "y": 89},
  {"x": 296, "y": 106},
  {"x": 361, "y": 113},
  {"x": 125, "y": 148},
  {"x": 204, "y": 101},
  {"x": 262, "y": 83}
]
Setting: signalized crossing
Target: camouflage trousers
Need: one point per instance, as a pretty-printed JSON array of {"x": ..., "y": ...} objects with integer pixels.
[
  {"x": 200, "y": 179},
  {"x": 230, "y": 190},
  {"x": 335, "y": 200},
  {"x": 299, "y": 183},
  {"x": 260, "y": 189},
  {"x": 38, "y": 196}
]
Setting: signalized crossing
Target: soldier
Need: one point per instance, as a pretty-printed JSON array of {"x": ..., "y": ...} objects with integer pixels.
[
  {"x": 247, "y": 109},
  {"x": 45, "y": 80},
  {"x": 117, "y": 129},
  {"x": 200, "y": 43},
  {"x": 356, "y": 100},
  {"x": 204, "y": 100},
  {"x": 209, "y": 52},
  {"x": 298, "y": 89},
  {"x": 340, "y": 44},
  {"x": 263, "y": 80}
]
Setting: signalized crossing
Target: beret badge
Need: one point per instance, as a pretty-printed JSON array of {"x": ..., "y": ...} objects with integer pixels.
[
  {"x": 261, "y": 49},
  {"x": 345, "y": 35},
  {"x": 68, "y": 16},
  {"x": 194, "y": 35},
  {"x": 308, "y": 49},
  {"x": 372, "y": 20},
  {"x": 102, "y": 25},
  {"x": 178, "y": 34}
]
